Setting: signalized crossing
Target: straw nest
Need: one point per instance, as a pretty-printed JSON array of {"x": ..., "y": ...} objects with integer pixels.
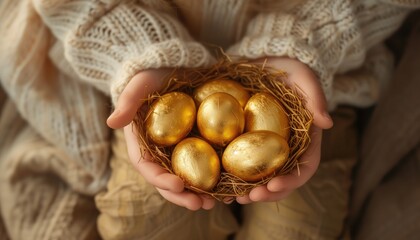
[{"x": 255, "y": 78}]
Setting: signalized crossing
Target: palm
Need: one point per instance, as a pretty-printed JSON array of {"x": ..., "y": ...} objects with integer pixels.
[
  {"x": 301, "y": 76},
  {"x": 171, "y": 187}
]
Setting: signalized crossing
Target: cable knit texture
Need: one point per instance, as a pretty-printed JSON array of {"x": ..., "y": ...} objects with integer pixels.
[
  {"x": 108, "y": 43},
  {"x": 64, "y": 63},
  {"x": 329, "y": 36}
]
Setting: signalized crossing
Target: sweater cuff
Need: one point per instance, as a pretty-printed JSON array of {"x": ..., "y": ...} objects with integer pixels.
[
  {"x": 171, "y": 53},
  {"x": 271, "y": 46},
  {"x": 321, "y": 34},
  {"x": 108, "y": 51}
]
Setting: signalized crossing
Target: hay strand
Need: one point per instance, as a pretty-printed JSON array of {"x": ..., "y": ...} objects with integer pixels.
[{"x": 255, "y": 78}]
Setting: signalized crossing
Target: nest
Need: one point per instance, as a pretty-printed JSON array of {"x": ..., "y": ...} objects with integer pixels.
[{"x": 255, "y": 78}]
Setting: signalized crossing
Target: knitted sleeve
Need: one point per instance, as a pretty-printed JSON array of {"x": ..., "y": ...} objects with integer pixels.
[
  {"x": 107, "y": 42},
  {"x": 329, "y": 36}
]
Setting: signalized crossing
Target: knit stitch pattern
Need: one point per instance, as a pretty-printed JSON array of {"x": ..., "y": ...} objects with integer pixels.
[{"x": 64, "y": 63}]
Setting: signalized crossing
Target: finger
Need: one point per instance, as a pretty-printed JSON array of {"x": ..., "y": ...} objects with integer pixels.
[
  {"x": 185, "y": 199},
  {"x": 307, "y": 167},
  {"x": 316, "y": 102},
  {"x": 151, "y": 171},
  {"x": 208, "y": 202},
  {"x": 299, "y": 74},
  {"x": 159, "y": 177},
  {"x": 243, "y": 199},
  {"x": 134, "y": 95},
  {"x": 228, "y": 200},
  {"x": 262, "y": 194}
]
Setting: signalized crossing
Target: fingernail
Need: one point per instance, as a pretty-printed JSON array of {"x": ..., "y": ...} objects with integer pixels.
[
  {"x": 326, "y": 114},
  {"x": 328, "y": 117},
  {"x": 114, "y": 114},
  {"x": 228, "y": 200}
]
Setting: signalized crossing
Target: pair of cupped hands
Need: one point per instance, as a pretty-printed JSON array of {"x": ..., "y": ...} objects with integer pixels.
[{"x": 171, "y": 187}]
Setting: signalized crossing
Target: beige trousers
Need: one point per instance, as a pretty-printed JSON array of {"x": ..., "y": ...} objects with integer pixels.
[
  {"x": 36, "y": 202},
  {"x": 133, "y": 209}
]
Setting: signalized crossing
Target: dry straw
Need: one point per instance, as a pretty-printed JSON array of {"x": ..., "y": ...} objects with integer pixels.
[{"x": 255, "y": 78}]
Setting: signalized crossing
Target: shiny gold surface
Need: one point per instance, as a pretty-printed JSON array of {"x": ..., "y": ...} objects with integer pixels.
[
  {"x": 255, "y": 155},
  {"x": 197, "y": 163},
  {"x": 220, "y": 118},
  {"x": 221, "y": 85},
  {"x": 264, "y": 112},
  {"x": 170, "y": 118}
]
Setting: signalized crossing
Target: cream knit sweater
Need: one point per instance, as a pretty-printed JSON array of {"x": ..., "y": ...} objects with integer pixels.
[
  {"x": 62, "y": 60},
  {"x": 105, "y": 43}
]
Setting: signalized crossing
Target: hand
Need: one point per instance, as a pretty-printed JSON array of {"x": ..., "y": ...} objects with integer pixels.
[
  {"x": 301, "y": 76},
  {"x": 170, "y": 186}
]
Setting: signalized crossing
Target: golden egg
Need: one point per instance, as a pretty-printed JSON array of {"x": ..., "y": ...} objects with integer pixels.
[
  {"x": 220, "y": 118},
  {"x": 197, "y": 163},
  {"x": 221, "y": 85},
  {"x": 255, "y": 155},
  {"x": 264, "y": 112},
  {"x": 170, "y": 118}
]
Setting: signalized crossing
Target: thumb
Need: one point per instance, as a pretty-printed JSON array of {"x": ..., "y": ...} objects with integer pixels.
[
  {"x": 317, "y": 105},
  {"x": 316, "y": 102},
  {"x": 134, "y": 95},
  {"x": 300, "y": 75}
]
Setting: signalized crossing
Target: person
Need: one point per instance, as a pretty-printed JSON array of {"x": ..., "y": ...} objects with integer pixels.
[
  {"x": 378, "y": 195},
  {"x": 65, "y": 62}
]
